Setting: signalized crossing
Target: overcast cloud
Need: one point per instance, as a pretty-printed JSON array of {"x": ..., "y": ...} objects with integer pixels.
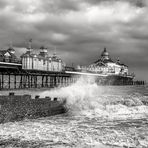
[{"x": 80, "y": 29}]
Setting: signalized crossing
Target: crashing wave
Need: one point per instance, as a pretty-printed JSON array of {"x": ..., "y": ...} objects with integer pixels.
[{"x": 86, "y": 97}]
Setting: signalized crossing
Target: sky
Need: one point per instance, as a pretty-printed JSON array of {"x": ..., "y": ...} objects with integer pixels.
[{"x": 79, "y": 29}]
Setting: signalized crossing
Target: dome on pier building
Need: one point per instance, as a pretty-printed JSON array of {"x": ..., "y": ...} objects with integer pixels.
[
  {"x": 105, "y": 58},
  {"x": 105, "y": 54}
]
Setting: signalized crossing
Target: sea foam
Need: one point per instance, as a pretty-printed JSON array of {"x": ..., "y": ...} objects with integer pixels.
[{"x": 86, "y": 97}]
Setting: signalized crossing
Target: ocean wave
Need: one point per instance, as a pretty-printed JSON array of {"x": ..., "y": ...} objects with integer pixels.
[
  {"x": 87, "y": 98},
  {"x": 98, "y": 116}
]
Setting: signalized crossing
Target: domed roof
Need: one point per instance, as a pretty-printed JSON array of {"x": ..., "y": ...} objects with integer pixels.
[{"x": 105, "y": 53}]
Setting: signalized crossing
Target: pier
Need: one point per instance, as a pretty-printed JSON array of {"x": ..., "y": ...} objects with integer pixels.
[
  {"x": 15, "y": 78},
  {"x": 24, "y": 79},
  {"x": 41, "y": 70}
]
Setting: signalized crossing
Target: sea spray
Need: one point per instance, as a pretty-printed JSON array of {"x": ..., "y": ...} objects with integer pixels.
[
  {"x": 86, "y": 97},
  {"x": 81, "y": 94}
]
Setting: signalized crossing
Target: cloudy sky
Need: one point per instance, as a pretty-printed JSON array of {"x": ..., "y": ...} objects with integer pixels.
[{"x": 80, "y": 29}]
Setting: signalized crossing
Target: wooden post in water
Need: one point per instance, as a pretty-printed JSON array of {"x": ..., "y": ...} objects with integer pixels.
[
  {"x": 46, "y": 82},
  {"x": 0, "y": 84},
  {"x": 42, "y": 81},
  {"x": 28, "y": 81},
  {"x": 14, "y": 81},
  {"x": 9, "y": 81},
  {"x": 55, "y": 81},
  {"x": 20, "y": 85},
  {"x": 31, "y": 81},
  {"x": 2, "y": 81},
  {"x": 36, "y": 81}
]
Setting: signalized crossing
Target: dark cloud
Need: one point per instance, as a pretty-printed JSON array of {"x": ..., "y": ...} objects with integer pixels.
[
  {"x": 79, "y": 29},
  {"x": 137, "y": 3}
]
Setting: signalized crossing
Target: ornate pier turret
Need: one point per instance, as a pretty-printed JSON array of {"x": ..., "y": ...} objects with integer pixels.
[{"x": 104, "y": 55}]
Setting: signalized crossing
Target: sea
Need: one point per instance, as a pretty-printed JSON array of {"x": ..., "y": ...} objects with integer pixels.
[{"x": 97, "y": 117}]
